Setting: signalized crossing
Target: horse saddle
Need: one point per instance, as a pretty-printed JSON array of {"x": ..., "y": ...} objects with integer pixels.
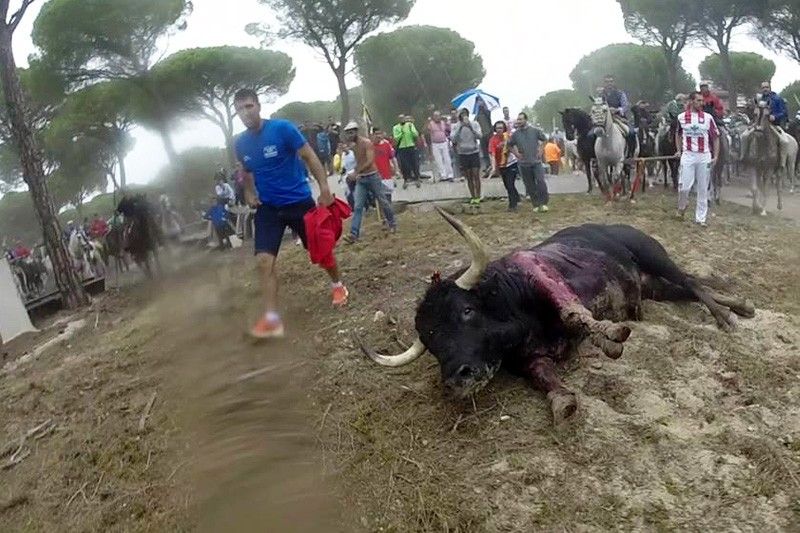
[{"x": 622, "y": 125}]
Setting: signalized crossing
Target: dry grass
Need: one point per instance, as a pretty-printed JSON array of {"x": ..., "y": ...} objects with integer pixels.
[{"x": 690, "y": 429}]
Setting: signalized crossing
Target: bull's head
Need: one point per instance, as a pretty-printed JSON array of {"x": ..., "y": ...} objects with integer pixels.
[{"x": 453, "y": 324}]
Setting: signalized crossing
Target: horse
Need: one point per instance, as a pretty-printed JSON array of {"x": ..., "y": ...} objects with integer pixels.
[
  {"x": 30, "y": 275},
  {"x": 114, "y": 248},
  {"x": 647, "y": 141},
  {"x": 610, "y": 147},
  {"x": 578, "y": 127},
  {"x": 573, "y": 158},
  {"x": 716, "y": 181},
  {"x": 141, "y": 234},
  {"x": 86, "y": 259},
  {"x": 665, "y": 147},
  {"x": 772, "y": 152},
  {"x": 793, "y": 129}
]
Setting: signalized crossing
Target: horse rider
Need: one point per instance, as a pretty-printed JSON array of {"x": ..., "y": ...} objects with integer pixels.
[
  {"x": 778, "y": 114},
  {"x": 711, "y": 102},
  {"x": 675, "y": 107},
  {"x": 617, "y": 101}
]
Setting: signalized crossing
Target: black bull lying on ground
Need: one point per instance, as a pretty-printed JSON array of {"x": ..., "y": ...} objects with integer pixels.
[{"x": 533, "y": 308}]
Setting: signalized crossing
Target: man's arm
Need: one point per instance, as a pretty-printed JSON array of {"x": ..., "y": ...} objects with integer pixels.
[
  {"x": 624, "y": 103},
  {"x": 540, "y": 135},
  {"x": 250, "y": 194},
  {"x": 315, "y": 166},
  {"x": 715, "y": 141},
  {"x": 512, "y": 146}
]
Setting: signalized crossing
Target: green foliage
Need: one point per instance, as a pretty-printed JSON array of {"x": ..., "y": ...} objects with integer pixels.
[
  {"x": 659, "y": 23},
  {"x": 429, "y": 66},
  {"x": 778, "y": 27},
  {"x": 641, "y": 71},
  {"x": 546, "y": 109},
  {"x": 205, "y": 80},
  {"x": 669, "y": 25},
  {"x": 320, "y": 111},
  {"x": 333, "y": 27},
  {"x": 749, "y": 70},
  {"x": 193, "y": 177},
  {"x": 791, "y": 93},
  {"x": 105, "y": 39},
  {"x": 17, "y": 218}
]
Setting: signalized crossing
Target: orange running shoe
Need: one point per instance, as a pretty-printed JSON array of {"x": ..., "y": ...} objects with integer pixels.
[
  {"x": 340, "y": 295},
  {"x": 265, "y": 329}
]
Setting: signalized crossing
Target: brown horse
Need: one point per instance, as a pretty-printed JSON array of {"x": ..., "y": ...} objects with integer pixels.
[{"x": 141, "y": 234}]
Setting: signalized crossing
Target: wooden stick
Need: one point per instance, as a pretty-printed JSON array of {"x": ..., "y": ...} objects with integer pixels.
[
  {"x": 75, "y": 495},
  {"x": 146, "y": 412}
]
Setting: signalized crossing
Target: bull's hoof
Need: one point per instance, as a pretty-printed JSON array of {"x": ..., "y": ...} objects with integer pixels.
[
  {"x": 611, "y": 348},
  {"x": 745, "y": 309},
  {"x": 726, "y": 321},
  {"x": 616, "y": 332},
  {"x": 563, "y": 405}
]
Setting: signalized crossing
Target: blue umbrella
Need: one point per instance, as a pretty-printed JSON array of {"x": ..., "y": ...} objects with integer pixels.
[{"x": 469, "y": 99}]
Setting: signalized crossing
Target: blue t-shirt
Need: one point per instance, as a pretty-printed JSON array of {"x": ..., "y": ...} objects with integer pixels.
[
  {"x": 217, "y": 215},
  {"x": 271, "y": 156}
]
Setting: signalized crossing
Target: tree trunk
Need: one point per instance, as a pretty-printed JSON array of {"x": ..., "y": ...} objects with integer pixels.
[
  {"x": 343, "y": 96},
  {"x": 123, "y": 173},
  {"x": 230, "y": 149},
  {"x": 727, "y": 70},
  {"x": 169, "y": 147},
  {"x": 672, "y": 70},
  {"x": 67, "y": 280}
]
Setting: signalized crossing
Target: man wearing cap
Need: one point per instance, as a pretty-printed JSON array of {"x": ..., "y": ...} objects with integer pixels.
[
  {"x": 368, "y": 181},
  {"x": 711, "y": 102},
  {"x": 274, "y": 156}
]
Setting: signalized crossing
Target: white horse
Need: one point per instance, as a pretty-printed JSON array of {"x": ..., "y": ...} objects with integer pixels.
[
  {"x": 571, "y": 149},
  {"x": 609, "y": 149}
]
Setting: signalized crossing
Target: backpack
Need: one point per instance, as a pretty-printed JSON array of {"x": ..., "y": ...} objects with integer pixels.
[{"x": 323, "y": 143}]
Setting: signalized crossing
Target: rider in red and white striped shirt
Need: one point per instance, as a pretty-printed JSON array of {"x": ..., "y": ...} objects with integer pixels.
[{"x": 697, "y": 139}]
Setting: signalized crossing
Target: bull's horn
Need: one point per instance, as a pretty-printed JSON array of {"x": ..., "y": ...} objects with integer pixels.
[
  {"x": 480, "y": 257},
  {"x": 414, "y": 352}
]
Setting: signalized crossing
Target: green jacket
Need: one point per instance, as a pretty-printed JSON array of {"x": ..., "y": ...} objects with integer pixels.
[{"x": 405, "y": 135}]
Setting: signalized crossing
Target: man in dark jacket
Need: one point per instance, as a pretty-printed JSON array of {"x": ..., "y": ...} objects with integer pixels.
[{"x": 778, "y": 114}]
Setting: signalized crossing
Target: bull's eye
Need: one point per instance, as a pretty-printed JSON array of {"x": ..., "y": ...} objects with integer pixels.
[{"x": 467, "y": 312}]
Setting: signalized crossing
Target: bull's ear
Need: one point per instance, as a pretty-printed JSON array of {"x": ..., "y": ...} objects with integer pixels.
[{"x": 436, "y": 277}]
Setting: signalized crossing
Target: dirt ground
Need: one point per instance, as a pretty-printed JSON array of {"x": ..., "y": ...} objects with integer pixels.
[{"x": 691, "y": 429}]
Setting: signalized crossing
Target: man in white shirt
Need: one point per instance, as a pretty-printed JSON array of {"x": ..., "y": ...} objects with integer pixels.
[{"x": 697, "y": 139}]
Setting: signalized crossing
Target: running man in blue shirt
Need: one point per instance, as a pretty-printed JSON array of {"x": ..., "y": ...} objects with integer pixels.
[{"x": 274, "y": 155}]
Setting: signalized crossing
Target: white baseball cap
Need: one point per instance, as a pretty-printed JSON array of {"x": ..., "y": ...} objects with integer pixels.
[{"x": 352, "y": 125}]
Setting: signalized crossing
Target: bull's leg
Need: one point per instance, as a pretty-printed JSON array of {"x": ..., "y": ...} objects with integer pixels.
[
  {"x": 563, "y": 402},
  {"x": 550, "y": 285},
  {"x": 659, "y": 289}
]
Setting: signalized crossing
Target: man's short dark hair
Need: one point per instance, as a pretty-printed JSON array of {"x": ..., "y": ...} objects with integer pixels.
[
  {"x": 693, "y": 94},
  {"x": 245, "y": 94},
  {"x": 523, "y": 114}
]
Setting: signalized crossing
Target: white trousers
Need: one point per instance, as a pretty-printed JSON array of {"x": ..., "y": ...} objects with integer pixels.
[
  {"x": 695, "y": 167},
  {"x": 441, "y": 155}
]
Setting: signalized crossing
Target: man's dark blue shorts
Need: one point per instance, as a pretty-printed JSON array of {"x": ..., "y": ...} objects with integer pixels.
[{"x": 271, "y": 222}]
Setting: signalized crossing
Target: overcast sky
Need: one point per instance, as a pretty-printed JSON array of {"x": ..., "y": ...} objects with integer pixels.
[{"x": 528, "y": 48}]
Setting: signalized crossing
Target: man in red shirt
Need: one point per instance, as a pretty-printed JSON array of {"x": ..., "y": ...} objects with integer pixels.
[
  {"x": 21, "y": 251},
  {"x": 98, "y": 228},
  {"x": 711, "y": 102},
  {"x": 384, "y": 160}
]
